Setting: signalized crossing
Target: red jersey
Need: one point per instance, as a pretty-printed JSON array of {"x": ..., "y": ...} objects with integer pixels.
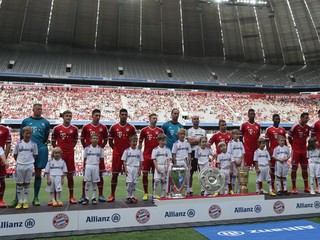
[
  {"x": 149, "y": 136},
  {"x": 100, "y": 129},
  {"x": 272, "y": 134},
  {"x": 5, "y": 136},
  {"x": 120, "y": 135},
  {"x": 316, "y": 131},
  {"x": 65, "y": 137},
  {"x": 251, "y": 134},
  {"x": 220, "y": 137},
  {"x": 299, "y": 135}
]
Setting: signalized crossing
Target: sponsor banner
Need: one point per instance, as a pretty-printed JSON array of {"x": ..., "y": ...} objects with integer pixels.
[
  {"x": 237, "y": 207},
  {"x": 99, "y": 219},
  {"x": 21, "y": 224},
  {"x": 267, "y": 96},
  {"x": 301, "y": 229},
  {"x": 166, "y": 212},
  {"x": 135, "y": 217}
]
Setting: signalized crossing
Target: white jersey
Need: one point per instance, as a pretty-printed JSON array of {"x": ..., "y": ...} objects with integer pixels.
[
  {"x": 262, "y": 157},
  {"x": 56, "y": 167},
  {"x": 1, "y": 151},
  {"x": 236, "y": 149},
  {"x": 161, "y": 155},
  {"x": 181, "y": 150},
  {"x": 203, "y": 155},
  {"x": 314, "y": 156},
  {"x": 225, "y": 160},
  {"x": 93, "y": 155},
  {"x": 281, "y": 152},
  {"x": 197, "y": 134},
  {"x": 133, "y": 157},
  {"x": 25, "y": 152}
]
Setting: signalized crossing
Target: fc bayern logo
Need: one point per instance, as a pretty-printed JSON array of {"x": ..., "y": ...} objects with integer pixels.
[
  {"x": 142, "y": 216},
  {"x": 214, "y": 211},
  {"x": 278, "y": 207},
  {"x": 60, "y": 221}
]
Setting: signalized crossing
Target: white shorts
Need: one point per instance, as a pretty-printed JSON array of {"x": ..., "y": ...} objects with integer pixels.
[
  {"x": 314, "y": 170},
  {"x": 226, "y": 173},
  {"x": 55, "y": 184},
  {"x": 281, "y": 169},
  {"x": 182, "y": 163},
  {"x": 160, "y": 176},
  {"x": 235, "y": 168},
  {"x": 91, "y": 174},
  {"x": 24, "y": 173},
  {"x": 264, "y": 174},
  {"x": 132, "y": 174}
]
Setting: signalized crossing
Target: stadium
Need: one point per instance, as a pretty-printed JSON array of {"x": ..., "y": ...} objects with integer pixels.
[{"x": 215, "y": 59}]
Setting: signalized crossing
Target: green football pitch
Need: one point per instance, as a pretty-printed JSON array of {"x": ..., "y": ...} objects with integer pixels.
[
  {"x": 121, "y": 187},
  {"x": 178, "y": 233}
]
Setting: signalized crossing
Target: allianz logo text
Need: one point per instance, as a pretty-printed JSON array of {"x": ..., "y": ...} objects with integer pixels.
[{"x": 232, "y": 233}]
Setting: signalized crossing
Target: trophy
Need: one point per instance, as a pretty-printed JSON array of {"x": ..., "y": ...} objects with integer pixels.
[
  {"x": 178, "y": 175},
  {"x": 243, "y": 178},
  {"x": 211, "y": 179}
]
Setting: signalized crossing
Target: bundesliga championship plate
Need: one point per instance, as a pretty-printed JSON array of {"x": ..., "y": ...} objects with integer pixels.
[{"x": 211, "y": 179}]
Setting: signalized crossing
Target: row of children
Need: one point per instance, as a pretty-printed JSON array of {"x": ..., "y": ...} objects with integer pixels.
[
  {"x": 25, "y": 152},
  {"x": 231, "y": 158},
  {"x": 228, "y": 161}
]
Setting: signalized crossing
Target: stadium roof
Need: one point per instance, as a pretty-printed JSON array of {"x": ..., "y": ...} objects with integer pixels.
[{"x": 279, "y": 32}]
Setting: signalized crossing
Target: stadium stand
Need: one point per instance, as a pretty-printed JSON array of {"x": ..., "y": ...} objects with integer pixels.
[{"x": 16, "y": 100}]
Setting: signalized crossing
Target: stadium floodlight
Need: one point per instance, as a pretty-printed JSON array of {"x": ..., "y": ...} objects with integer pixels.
[
  {"x": 238, "y": 2},
  {"x": 248, "y": 2},
  {"x": 11, "y": 64}
]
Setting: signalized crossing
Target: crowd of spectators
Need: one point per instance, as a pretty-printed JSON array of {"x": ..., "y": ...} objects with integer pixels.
[{"x": 16, "y": 102}]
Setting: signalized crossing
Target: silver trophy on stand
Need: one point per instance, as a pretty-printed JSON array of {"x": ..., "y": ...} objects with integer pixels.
[
  {"x": 178, "y": 175},
  {"x": 212, "y": 180}
]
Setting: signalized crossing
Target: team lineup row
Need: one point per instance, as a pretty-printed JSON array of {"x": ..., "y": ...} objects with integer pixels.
[{"x": 65, "y": 136}]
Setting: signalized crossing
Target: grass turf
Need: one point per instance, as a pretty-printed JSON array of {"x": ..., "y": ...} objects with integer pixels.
[{"x": 121, "y": 191}]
